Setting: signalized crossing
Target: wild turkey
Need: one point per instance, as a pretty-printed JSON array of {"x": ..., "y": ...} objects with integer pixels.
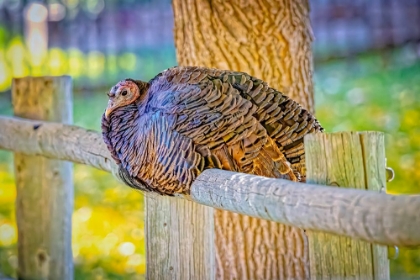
[{"x": 165, "y": 132}]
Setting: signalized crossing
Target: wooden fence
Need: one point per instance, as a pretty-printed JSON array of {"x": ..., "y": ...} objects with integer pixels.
[{"x": 347, "y": 228}]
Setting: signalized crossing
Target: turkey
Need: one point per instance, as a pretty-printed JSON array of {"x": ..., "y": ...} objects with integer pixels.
[{"x": 165, "y": 132}]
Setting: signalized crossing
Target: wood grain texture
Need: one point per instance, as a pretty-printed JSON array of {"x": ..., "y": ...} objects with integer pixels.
[
  {"x": 346, "y": 159},
  {"x": 251, "y": 248},
  {"x": 178, "y": 253},
  {"x": 271, "y": 40},
  {"x": 342, "y": 211},
  {"x": 44, "y": 187},
  {"x": 373, "y": 148},
  {"x": 56, "y": 141}
]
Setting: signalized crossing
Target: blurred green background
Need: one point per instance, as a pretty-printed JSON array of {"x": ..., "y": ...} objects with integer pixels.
[{"x": 366, "y": 78}]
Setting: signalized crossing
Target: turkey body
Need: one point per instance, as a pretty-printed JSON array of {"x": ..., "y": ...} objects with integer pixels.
[{"x": 188, "y": 119}]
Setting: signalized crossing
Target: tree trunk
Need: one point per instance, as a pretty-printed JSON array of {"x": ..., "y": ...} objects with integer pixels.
[{"x": 270, "y": 40}]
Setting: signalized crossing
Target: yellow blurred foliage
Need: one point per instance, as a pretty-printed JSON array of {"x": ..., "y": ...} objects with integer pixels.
[
  {"x": 17, "y": 57},
  {"x": 101, "y": 232},
  {"x": 57, "y": 62},
  {"x": 5, "y": 73}
]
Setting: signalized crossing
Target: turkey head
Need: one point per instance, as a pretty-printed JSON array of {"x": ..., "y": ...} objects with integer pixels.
[
  {"x": 165, "y": 132},
  {"x": 124, "y": 93}
]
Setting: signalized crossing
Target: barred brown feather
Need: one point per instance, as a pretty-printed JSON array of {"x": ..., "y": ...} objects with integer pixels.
[{"x": 187, "y": 119}]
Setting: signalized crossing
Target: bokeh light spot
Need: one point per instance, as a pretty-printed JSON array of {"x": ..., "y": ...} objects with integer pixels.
[
  {"x": 7, "y": 234},
  {"x": 56, "y": 12},
  {"x": 36, "y": 12},
  {"x": 126, "y": 248}
]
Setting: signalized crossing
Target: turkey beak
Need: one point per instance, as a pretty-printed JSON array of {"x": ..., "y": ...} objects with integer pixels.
[{"x": 109, "y": 109}]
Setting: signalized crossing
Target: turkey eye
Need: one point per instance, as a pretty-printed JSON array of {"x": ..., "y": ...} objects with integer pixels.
[{"x": 124, "y": 93}]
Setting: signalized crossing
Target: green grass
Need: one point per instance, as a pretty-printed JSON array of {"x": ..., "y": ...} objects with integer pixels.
[{"x": 385, "y": 100}]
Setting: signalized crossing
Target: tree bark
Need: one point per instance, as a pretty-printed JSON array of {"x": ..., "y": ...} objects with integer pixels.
[
  {"x": 271, "y": 40},
  {"x": 268, "y": 39}
]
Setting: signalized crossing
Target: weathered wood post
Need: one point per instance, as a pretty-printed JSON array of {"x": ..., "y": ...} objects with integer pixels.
[
  {"x": 179, "y": 238},
  {"x": 343, "y": 159},
  {"x": 44, "y": 201}
]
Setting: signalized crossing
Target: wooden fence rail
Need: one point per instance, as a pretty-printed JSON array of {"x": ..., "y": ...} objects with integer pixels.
[{"x": 367, "y": 215}]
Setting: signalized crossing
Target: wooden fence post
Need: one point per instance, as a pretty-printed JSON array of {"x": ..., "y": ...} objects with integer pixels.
[
  {"x": 180, "y": 239},
  {"x": 44, "y": 202},
  {"x": 346, "y": 159}
]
